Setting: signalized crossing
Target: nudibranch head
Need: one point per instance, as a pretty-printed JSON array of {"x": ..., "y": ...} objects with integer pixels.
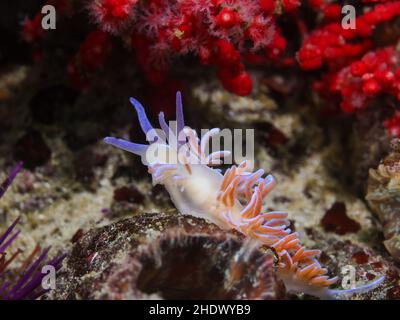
[{"x": 177, "y": 158}]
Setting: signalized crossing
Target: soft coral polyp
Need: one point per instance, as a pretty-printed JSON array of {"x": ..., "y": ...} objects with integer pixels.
[
  {"x": 377, "y": 72},
  {"x": 356, "y": 66},
  {"x": 112, "y": 15}
]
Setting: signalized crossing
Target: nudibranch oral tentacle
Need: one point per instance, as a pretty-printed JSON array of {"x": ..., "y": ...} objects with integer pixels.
[{"x": 232, "y": 200}]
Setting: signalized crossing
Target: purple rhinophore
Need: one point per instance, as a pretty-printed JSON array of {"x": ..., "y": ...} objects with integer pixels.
[
  {"x": 146, "y": 126},
  {"x": 141, "y": 113},
  {"x": 179, "y": 113},
  {"x": 163, "y": 124},
  {"x": 135, "y": 148}
]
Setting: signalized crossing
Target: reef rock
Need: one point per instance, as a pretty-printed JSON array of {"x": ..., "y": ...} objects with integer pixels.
[
  {"x": 383, "y": 196},
  {"x": 357, "y": 264},
  {"x": 368, "y": 143},
  {"x": 167, "y": 256}
]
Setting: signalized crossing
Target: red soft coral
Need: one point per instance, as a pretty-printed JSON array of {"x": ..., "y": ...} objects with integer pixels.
[
  {"x": 356, "y": 70},
  {"x": 375, "y": 73},
  {"x": 218, "y": 32},
  {"x": 335, "y": 46},
  {"x": 112, "y": 15},
  {"x": 226, "y": 34}
]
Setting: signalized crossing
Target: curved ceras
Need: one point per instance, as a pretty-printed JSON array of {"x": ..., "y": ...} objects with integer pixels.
[{"x": 233, "y": 200}]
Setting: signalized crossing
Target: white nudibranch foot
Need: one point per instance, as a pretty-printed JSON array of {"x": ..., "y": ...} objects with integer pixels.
[{"x": 233, "y": 200}]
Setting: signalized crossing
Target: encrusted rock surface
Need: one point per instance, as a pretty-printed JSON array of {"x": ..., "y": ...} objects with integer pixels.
[
  {"x": 166, "y": 256},
  {"x": 383, "y": 196},
  {"x": 357, "y": 262},
  {"x": 369, "y": 142}
]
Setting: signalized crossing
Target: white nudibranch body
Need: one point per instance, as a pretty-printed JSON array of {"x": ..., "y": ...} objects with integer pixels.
[
  {"x": 177, "y": 159},
  {"x": 202, "y": 182}
]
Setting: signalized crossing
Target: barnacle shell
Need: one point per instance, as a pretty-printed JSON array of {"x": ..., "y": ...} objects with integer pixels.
[
  {"x": 167, "y": 256},
  {"x": 383, "y": 196}
]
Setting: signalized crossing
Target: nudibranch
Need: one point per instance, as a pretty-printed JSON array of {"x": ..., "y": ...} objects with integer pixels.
[{"x": 232, "y": 200}]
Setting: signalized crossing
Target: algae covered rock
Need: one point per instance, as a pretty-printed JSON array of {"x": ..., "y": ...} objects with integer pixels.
[
  {"x": 167, "y": 256},
  {"x": 383, "y": 196}
]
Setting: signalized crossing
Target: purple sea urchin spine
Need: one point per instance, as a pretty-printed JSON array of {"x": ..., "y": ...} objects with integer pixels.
[
  {"x": 6, "y": 183},
  {"x": 28, "y": 283},
  {"x": 6, "y": 234},
  {"x": 27, "y": 287}
]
